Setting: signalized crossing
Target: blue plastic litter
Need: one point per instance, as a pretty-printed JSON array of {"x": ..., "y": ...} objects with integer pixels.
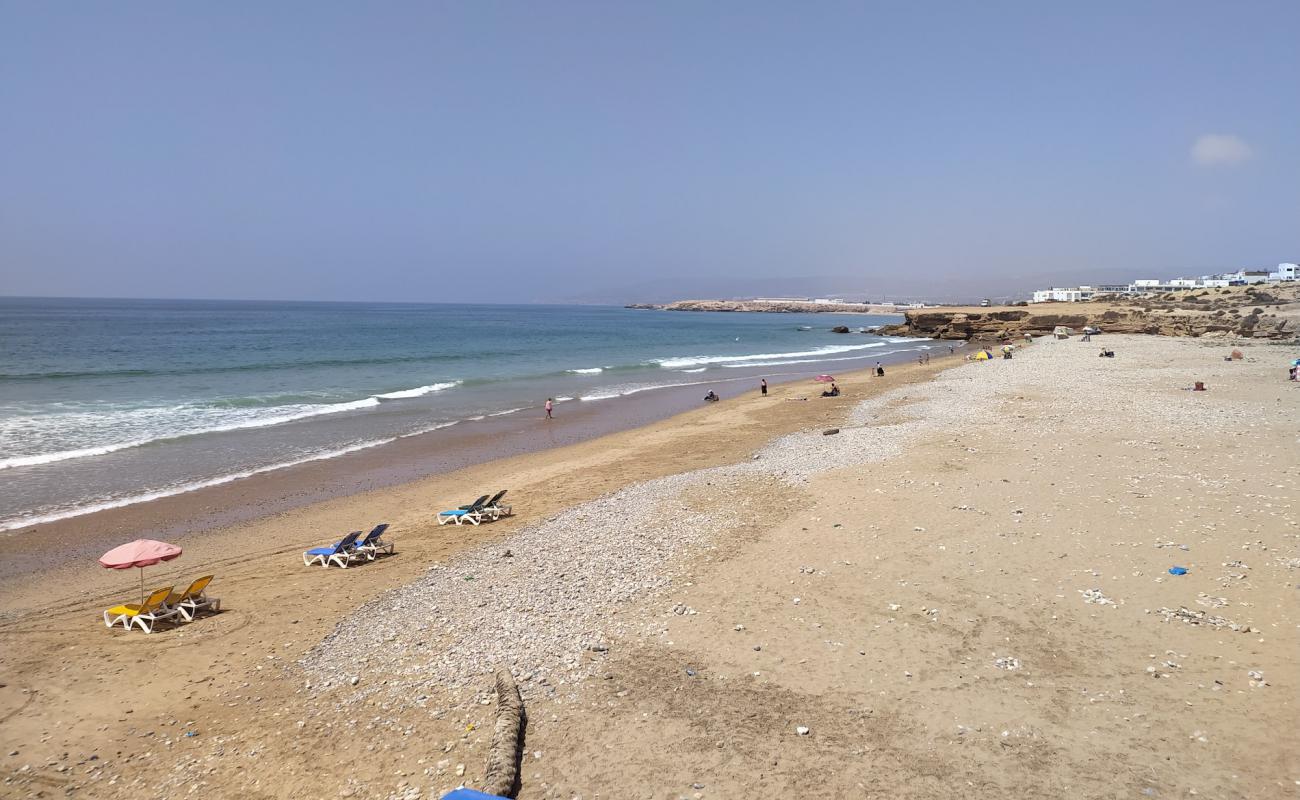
[
  {"x": 690, "y": 672},
  {"x": 1178, "y": 570},
  {"x": 469, "y": 794}
]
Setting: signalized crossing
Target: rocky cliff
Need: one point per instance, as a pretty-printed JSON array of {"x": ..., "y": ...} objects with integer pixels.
[{"x": 1268, "y": 312}]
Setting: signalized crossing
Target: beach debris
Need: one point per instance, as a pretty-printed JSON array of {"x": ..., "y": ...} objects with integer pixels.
[
  {"x": 683, "y": 609},
  {"x": 802, "y": 730},
  {"x": 738, "y": 627},
  {"x": 1178, "y": 570},
  {"x": 1007, "y": 663},
  {"x": 354, "y": 680},
  {"x": 690, "y": 673},
  {"x": 1191, "y": 617},
  {"x": 1204, "y": 599},
  {"x": 1095, "y": 597},
  {"x": 830, "y": 431}
]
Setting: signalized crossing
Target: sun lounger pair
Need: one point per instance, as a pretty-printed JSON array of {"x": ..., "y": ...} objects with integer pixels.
[
  {"x": 347, "y": 550},
  {"x": 164, "y": 605},
  {"x": 486, "y": 507}
]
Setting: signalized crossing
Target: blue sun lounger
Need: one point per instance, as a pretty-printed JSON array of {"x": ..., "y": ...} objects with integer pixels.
[
  {"x": 341, "y": 553},
  {"x": 371, "y": 546},
  {"x": 472, "y": 513}
]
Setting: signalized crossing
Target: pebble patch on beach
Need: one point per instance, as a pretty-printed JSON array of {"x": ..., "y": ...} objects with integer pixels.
[{"x": 548, "y": 601}]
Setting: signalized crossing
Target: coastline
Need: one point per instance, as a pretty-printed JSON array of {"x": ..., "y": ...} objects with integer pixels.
[
  {"x": 181, "y": 516},
  {"x": 914, "y": 590}
]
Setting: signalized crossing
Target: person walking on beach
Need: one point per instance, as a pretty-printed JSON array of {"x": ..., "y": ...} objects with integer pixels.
[
  {"x": 550, "y": 406},
  {"x": 880, "y": 371},
  {"x": 762, "y": 387}
]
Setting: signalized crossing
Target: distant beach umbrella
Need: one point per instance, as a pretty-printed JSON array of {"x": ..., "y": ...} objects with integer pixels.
[
  {"x": 825, "y": 379},
  {"x": 140, "y": 554}
]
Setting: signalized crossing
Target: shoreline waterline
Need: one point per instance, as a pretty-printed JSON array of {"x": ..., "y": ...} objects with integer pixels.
[
  {"x": 111, "y": 403},
  {"x": 376, "y": 466}
]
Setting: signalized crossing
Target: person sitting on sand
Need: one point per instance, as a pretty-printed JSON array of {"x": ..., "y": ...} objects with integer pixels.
[
  {"x": 834, "y": 391},
  {"x": 710, "y": 397}
]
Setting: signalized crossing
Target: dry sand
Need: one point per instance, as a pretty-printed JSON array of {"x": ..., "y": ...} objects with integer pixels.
[{"x": 963, "y": 593}]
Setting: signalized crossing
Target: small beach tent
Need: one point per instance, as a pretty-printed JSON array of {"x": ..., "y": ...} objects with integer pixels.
[
  {"x": 982, "y": 355},
  {"x": 1062, "y": 332}
]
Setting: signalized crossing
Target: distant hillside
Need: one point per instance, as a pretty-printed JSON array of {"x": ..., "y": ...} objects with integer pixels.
[
  {"x": 1262, "y": 311},
  {"x": 770, "y": 308}
]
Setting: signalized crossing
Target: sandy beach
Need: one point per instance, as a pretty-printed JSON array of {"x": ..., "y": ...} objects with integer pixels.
[{"x": 964, "y": 592}]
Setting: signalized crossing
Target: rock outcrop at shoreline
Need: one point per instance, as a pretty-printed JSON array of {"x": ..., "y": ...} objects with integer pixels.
[
  {"x": 1259, "y": 312},
  {"x": 769, "y": 308}
]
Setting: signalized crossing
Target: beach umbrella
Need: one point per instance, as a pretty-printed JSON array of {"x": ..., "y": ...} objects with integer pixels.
[
  {"x": 140, "y": 554},
  {"x": 825, "y": 379}
]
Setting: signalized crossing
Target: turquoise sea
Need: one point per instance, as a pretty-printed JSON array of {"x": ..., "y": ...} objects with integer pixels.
[{"x": 109, "y": 402}]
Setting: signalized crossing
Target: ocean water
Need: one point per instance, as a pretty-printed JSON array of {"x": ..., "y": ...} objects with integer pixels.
[{"x": 110, "y": 402}]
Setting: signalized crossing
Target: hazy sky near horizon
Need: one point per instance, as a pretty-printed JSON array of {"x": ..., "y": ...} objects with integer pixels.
[{"x": 547, "y": 151}]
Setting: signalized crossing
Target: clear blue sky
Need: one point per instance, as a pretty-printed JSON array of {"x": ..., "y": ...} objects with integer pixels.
[{"x": 547, "y": 151}]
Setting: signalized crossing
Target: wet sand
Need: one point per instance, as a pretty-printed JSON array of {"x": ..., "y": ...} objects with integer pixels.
[{"x": 179, "y": 517}]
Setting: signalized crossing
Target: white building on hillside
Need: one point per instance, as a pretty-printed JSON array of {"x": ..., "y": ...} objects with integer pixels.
[
  {"x": 1245, "y": 276},
  {"x": 1286, "y": 271},
  {"x": 1056, "y": 294}
]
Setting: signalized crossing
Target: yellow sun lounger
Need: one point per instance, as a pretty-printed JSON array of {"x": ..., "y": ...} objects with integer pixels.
[
  {"x": 153, "y": 611},
  {"x": 193, "y": 600}
]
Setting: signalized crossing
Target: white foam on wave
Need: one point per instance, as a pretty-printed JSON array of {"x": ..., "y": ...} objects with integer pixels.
[
  {"x": 679, "y": 362},
  {"x": 624, "y": 391},
  {"x": 158, "y": 494},
  {"x": 588, "y": 371},
  {"x": 431, "y": 429},
  {"x": 303, "y": 412},
  {"x": 810, "y": 360},
  {"x": 697, "y": 369},
  {"x": 418, "y": 391},
  {"x": 507, "y": 411},
  {"x": 64, "y": 455}
]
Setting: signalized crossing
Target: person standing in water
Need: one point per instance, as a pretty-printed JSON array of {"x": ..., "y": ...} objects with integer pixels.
[
  {"x": 762, "y": 387},
  {"x": 550, "y": 405}
]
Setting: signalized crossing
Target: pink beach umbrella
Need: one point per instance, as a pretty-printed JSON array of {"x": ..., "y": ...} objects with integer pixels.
[
  {"x": 825, "y": 379},
  {"x": 141, "y": 553}
]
